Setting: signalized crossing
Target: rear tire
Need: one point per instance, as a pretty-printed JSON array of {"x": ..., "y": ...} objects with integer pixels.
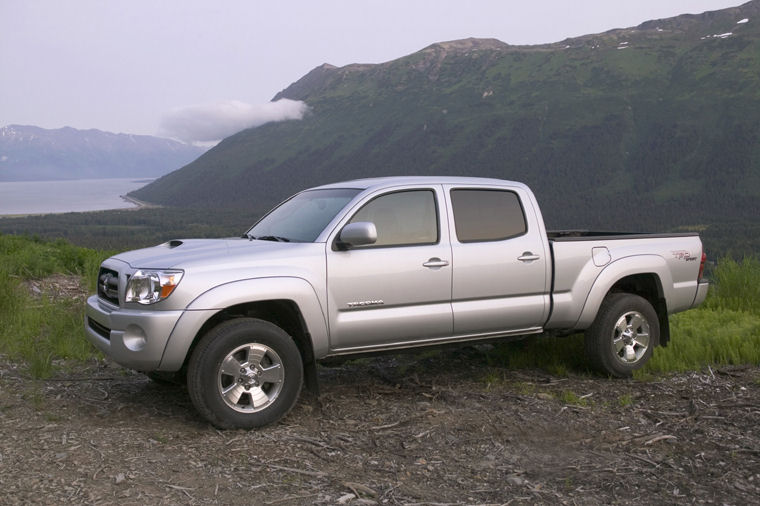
[
  {"x": 245, "y": 373},
  {"x": 623, "y": 335}
]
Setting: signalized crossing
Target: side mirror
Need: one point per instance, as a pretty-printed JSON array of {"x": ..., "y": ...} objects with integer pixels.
[{"x": 360, "y": 233}]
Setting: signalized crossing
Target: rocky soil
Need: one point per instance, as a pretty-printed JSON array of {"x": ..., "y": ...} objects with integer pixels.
[{"x": 431, "y": 428}]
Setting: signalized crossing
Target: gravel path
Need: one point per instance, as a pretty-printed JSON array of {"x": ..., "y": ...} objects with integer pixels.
[{"x": 406, "y": 429}]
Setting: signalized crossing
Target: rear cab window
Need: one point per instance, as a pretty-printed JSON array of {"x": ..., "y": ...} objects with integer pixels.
[{"x": 482, "y": 215}]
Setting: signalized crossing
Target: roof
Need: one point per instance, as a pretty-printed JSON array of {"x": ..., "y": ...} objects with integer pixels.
[{"x": 387, "y": 182}]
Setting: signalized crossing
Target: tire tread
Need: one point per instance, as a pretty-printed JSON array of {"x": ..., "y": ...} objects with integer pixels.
[
  {"x": 196, "y": 385},
  {"x": 597, "y": 338}
]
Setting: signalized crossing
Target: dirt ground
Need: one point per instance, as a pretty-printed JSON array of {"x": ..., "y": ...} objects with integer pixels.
[{"x": 428, "y": 428}]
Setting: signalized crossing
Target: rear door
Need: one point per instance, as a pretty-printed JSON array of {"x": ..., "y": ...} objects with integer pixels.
[
  {"x": 398, "y": 289},
  {"x": 501, "y": 278}
]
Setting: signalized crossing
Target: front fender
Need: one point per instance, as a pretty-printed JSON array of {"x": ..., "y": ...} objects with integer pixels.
[
  {"x": 614, "y": 272},
  {"x": 234, "y": 293}
]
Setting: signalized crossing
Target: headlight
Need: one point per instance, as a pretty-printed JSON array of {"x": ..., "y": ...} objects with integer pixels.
[{"x": 149, "y": 287}]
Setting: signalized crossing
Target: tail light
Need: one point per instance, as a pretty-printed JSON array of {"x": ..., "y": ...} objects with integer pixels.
[{"x": 702, "y": 267}]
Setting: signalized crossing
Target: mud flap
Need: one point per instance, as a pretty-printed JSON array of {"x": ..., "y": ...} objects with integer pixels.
[
  {"x": 662, "y": 316},
  {"x": 311, "y": 382}
]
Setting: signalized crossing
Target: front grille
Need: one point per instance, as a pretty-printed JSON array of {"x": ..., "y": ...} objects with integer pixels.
[
  {"x": 102, "y": 331},
  {"x": 108, "y": 285}
]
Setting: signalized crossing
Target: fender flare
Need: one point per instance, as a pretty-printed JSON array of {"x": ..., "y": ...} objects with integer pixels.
[
  {"x": 614, "y": 272},
  {"x": 216, "y": 299}
]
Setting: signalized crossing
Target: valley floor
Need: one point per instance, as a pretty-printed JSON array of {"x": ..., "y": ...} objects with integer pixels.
[{"x": 406, "y": 429}]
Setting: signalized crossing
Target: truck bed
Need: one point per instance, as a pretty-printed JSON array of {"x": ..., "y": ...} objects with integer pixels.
[
  {"x": 583, "y": 260},
  {"x": 590, "y": 235}
]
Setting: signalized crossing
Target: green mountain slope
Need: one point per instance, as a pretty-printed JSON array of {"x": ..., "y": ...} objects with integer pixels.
[{"x": 649, "y": 127}]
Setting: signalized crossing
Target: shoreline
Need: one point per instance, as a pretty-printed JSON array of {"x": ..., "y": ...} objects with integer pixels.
[
  {"x": 34, "y": 195},
  {"x": 137, "y": 205}
]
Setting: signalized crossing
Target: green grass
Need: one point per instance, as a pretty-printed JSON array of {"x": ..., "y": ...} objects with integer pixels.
[
  {"x": 725, "y": 330},
  {"x": 569, "y": 397},
  {"x": 38, "y": 331},
  {"x": 625, "y": 401},
  {"x": 707, "y": 336},
  {"x": 33, "y": 258}
]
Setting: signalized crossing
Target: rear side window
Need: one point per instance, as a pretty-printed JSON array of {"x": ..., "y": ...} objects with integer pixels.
[{"x": 487, "y": 215}]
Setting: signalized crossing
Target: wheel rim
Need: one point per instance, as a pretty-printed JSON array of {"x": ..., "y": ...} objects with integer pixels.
[
  {"x": 630, "y": 337},
  {"x": 251, "y": 377}
]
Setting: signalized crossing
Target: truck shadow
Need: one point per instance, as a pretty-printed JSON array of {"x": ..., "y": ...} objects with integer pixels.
[{"x": 398, "y": 377}]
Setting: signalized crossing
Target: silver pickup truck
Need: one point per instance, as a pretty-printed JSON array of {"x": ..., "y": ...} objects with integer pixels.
[{"x": 381, "y": 264}]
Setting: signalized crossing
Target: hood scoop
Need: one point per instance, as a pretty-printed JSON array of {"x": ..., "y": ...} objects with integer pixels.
[{"x": 173, "y": 243}]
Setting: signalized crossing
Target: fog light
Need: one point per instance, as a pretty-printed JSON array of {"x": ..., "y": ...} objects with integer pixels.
[{"x": 134, "y": 338}]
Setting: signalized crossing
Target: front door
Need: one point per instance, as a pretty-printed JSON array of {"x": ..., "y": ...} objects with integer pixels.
[{"x": 399, "y": 288}]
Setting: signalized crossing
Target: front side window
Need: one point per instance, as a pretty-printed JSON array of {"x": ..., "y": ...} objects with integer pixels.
[
  {"x": 403, "y": 218},
  {"x": 303, "y": 217},
  {"x": 487, "y": 215}
]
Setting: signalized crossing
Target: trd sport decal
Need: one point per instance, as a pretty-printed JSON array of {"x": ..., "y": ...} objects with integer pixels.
[
  {"x": 364, "y": 303},
  {"x": 684, "y": 255}
]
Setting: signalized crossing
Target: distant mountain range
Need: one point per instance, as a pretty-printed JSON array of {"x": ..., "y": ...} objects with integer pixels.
[
  {"x": 29, "y": 153},
  {"x": 656, "y": 126}
]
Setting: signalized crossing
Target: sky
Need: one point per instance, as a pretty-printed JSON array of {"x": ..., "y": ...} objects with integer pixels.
[{"x": 201, "y": 70}]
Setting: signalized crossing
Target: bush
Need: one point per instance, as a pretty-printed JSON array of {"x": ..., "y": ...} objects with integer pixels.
[{"x": 736, "y": 285}]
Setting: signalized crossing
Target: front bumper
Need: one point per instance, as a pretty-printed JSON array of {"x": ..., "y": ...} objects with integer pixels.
[{"x": 131, "y": 337}]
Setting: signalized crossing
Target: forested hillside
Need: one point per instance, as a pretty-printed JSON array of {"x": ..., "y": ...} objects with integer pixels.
[{"x": 652, "y": 127}]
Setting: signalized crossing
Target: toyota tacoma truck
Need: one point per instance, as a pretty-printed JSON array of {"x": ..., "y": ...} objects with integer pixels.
[{"x": 382, "y": 264}]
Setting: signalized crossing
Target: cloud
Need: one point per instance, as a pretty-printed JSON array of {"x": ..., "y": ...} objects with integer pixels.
[{"x": 205, "y": 123}]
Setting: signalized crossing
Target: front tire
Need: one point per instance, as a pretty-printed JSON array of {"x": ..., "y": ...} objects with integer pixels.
[
  {"x": 245, "y": 373},
  {"x": 623, "y": 335}
]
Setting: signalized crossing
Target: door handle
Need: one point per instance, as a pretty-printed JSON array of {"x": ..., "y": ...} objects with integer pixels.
[
  {"x": 528, "y": 257},
  {"x": 435, "y": 262}
]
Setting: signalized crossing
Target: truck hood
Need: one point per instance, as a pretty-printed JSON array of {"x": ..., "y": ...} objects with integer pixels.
[{"x": 183, "y": 252}]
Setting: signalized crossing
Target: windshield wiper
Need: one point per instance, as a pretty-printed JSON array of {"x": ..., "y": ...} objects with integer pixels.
[{"x": 275, "y": 238}]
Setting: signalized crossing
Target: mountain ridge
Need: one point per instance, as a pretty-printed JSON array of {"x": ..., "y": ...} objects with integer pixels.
[
  {"x": 647, "y": 123},
  {"x": 29, "y": 153}
]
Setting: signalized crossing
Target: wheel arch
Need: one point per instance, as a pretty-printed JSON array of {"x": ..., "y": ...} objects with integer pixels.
[
  {"x": 648, "y": 286},
  {"x": 289, "y": 303},
  {"x": 281, "y": 312},
  {"x": 646, "y": 276}
]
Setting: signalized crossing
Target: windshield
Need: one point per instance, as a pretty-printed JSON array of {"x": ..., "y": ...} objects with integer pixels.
[{"x": 302, "y": 217}]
